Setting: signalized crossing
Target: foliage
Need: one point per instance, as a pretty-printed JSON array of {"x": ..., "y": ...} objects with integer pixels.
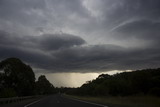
[
  {"x": 18, "y": 79},
  {"x": 8, "y": 92},
  {"x": 126, "y": 101},
  {"x": 17, "y": 76},
  {"x": 144, "y": 82},
  {"x": 43, "y": 86}
]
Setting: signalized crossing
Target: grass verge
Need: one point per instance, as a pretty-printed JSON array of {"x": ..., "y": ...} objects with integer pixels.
[{"x": 130, "y": 101}]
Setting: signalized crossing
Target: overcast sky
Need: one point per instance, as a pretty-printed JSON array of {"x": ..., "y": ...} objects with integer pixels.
[{"x": 83, "y": 36}]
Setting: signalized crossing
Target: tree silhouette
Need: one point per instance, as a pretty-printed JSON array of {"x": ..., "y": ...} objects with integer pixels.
[
  {"x": 146, "y": 82},
  {"x": 17, "y": 76},
  {"x": 44, "y": 86}
]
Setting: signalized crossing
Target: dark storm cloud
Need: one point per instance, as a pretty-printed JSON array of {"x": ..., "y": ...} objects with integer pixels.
[
  {"x": 16, "y": 10},
  {"x": 36, "y": 49},
  {"x": 75, "y": 56},
  {"x": 32, "y": 57},
  {"x": 98, "y": 35},
  {"x": 147, "y": 8},
  {"x": 46, "y": 41},
  {"x": 107, "y": 57},
  {"x": 26, "y": 16},
  {"x": 53, "y": 42},
  {"x": 120, "y": 11},
  {"x": 140, "y": 29}
]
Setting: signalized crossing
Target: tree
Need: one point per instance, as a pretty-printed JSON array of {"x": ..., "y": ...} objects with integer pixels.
[
  {"x": 146, "y": 82},
  {"x": 17, "y": 76},
  {"x": 44, "y": 86}
]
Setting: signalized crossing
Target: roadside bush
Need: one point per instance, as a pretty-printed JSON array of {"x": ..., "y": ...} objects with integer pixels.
[
  {"x": 8, "y": 92},
  {"x": 154, "y": 91}
]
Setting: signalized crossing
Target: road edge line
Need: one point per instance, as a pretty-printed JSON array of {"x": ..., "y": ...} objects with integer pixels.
[
  {"x": 86, "y": 102},
  {"x": 32, "y": 103}
]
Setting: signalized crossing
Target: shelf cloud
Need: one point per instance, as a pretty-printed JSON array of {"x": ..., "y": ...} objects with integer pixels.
[{"x": 81, "y": 35}]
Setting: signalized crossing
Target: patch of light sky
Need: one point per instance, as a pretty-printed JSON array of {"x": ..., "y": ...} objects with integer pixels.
[{"x": 74, "y": 79}]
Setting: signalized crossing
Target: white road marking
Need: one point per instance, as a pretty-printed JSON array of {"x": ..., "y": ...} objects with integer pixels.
[
  {"x": 32, "y": 103},
  {"x": 88, "y": 102}
]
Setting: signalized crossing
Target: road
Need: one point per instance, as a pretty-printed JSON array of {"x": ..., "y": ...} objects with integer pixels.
[{"x": 57, "y": 100}]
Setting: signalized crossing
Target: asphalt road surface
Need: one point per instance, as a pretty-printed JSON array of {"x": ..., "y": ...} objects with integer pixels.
[{"x": 57, "y": 100}]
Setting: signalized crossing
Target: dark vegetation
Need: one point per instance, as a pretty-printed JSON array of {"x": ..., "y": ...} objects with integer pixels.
[
  {"x": 18, "y": 79},
  {"x": 140, "y": 82}
]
